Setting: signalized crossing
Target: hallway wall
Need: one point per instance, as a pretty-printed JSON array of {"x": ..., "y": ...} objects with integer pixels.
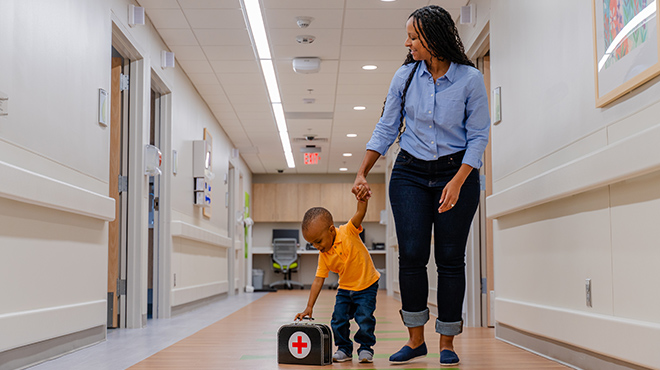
[
  {"x": 54, "y": 164},
  {"x": 575, "y": 190}
]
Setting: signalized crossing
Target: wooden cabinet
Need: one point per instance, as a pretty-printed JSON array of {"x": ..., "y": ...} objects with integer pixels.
[{"x": 288, "y": 202}]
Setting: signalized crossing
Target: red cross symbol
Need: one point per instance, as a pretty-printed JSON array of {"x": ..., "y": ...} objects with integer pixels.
[{"x": 299, "y": 345}]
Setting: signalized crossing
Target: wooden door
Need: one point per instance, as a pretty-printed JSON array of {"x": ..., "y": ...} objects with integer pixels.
[{"x": 115, "y": 171}]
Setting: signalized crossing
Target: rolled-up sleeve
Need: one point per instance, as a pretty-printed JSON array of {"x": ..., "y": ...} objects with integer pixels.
[
  {"x": 477, "y": 121},
  {"x": 387, "y": 128}
]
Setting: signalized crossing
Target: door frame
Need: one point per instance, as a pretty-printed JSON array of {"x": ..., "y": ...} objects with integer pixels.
[
  {"x": 137, "y": 116},
  {"x": 162, "y": 300}
]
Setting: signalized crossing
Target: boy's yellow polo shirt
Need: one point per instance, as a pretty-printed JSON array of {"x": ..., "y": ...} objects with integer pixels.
[{"x": 349, "y": 258}]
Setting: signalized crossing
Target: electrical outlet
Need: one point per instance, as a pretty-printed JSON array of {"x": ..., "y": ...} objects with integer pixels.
[{"x": 588, "y": 288}]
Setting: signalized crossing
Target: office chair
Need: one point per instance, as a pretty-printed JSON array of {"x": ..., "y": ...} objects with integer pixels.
[{"x": 285, "y": 260}]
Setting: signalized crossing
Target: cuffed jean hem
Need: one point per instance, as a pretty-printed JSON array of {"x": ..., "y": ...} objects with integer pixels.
[
  {"x": 448, "y": 328},
  {"x": 414, "y": 319}
]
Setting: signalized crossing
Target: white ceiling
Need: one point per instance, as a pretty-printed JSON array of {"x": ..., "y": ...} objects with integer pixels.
[{"x": 212, "y": 45}]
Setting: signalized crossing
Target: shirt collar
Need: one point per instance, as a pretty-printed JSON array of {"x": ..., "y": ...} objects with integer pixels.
[{"x": 451, "y": 72}]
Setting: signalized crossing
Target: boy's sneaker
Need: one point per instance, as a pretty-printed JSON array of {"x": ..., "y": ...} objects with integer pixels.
[
  {"x": 340, "y": 356},
  {"x": 365, "y": 356}
]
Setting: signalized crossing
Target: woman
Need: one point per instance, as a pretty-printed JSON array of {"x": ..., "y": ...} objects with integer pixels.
[{"x": 438, "y": 108}]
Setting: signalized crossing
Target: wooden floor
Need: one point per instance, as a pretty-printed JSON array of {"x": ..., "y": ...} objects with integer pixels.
[{"x": 247, "y": 340}]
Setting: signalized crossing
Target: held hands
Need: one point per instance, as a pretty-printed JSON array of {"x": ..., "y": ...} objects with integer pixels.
[
  {"x": 449, "y": 196},
  {"x": 306, "y": 313},
  {"x": 361, "y": 188}
]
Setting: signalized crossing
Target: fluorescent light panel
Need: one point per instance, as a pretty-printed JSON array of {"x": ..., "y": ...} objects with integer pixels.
[
  {"x": 279, "y": 117},
  {"x": 256, "y": 21},
  {"x": 271, "y": 81},
  {"x": 257, "y": 27}
]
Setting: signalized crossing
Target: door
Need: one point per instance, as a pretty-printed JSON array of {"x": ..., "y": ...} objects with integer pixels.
[
  {"x": 115, "y": 180},
  {"x": 487, "y": 245}
]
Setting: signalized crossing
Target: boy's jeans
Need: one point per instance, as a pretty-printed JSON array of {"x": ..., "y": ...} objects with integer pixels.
[{"x": 359, "y": 305}]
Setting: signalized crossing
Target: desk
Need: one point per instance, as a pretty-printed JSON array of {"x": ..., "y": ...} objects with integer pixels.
[{"x": 307, "y": 262}]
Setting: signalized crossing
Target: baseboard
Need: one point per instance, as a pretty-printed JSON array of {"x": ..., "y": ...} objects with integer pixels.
[
  {"x": 187, "y": 307},
  {"x": 32, "y": 354},
  {"x": 563, "y": 353}
]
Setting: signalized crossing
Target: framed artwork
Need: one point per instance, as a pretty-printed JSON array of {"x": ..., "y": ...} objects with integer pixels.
[
  {"x": 626, "y": 49},
  {"x": 209, "y": 166}
]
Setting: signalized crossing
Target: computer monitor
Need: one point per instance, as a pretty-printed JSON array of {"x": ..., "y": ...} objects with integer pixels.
[{"x": 287, "y": 233}]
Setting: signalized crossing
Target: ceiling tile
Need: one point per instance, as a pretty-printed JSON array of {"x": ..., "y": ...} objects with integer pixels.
[
  {"x": 211, "y": 90},
  {"x": 227, "y": 37},
  {"x": 160, "y": 4},
  {"x": 215, "y": 18},
  {"x": 375, "y": 37},
  {"x": 376, "y": 18},
  {"x": 409, "y": 5},
  {"x": 397, "y": 53},
  {"x": 238, "y": 52},
  {"x": 241, "y": 79},
  {"x": 298, "y": 4},
  {"x": 196, "y": 66},
  {"x": 199, "y": 79},
  {"x": 286, "y": 18},
  {"x": 210, "y": 4},
  {"x": 177, "y": 36},
  {"x": 167, "y": 18},
  {"x": 236, "y": 66},
  {"x": 185, "y": 52}
]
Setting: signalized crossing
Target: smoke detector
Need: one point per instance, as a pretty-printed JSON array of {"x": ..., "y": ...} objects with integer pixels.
[
  {"x": 305, "y": 39},
  {"x": 304, "y": 22}
]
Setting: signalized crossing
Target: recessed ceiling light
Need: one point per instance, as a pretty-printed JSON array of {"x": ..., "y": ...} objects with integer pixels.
[
  {"x": 359, "y": 107},
  {"x": 347, "y": 154},
  {"x": 343, "y": 169},
  {"x": 369, "y": 67},
  {"x": 351, "y": 135},
  {"x": 387, "y": 1}
]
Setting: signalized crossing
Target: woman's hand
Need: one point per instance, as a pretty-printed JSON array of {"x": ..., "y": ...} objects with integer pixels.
[
  {"x": 306, "y": 313},
  {"x": 449, "y": 196},
  {"x": 361, "y": 188}
]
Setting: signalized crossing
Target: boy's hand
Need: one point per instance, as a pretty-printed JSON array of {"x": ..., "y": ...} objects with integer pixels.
[{"x": 302, "y": 315}]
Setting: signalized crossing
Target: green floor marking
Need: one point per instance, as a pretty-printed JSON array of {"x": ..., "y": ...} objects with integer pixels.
[{"x": 381, "y": 339}]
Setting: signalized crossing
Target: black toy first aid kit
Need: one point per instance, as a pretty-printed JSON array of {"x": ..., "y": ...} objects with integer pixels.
[{"x": 304, "y": 343}]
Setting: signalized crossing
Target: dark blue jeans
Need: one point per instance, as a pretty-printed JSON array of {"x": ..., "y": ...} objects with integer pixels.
[
  {"x": 359, "y": 305},
  {"x": 415, "y": 190}
]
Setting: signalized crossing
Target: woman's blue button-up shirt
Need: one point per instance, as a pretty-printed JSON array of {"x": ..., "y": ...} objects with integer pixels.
[{"x": 442, "y": 117}]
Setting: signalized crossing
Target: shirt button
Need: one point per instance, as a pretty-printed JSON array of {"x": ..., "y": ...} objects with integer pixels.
[
  {"x": 431, "y": 94},
  {"x": 430, "y": 126},
  {"x": 431, "y": 142},
  {"x": 429, "y": 112},
  {"x": 435, "y": 156}
]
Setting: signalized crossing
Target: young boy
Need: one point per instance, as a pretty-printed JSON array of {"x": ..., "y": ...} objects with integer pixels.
[{"x": 342, "y": 251}]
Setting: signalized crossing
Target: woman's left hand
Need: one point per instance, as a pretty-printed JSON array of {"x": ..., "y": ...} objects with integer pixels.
[{"x": 449, "y": 196}]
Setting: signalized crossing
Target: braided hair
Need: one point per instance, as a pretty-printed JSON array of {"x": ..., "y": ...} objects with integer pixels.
[{"x": 439, "y": 36}]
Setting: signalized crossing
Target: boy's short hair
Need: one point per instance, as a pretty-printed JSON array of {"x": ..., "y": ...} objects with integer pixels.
[{"x": 315, "y": 213}]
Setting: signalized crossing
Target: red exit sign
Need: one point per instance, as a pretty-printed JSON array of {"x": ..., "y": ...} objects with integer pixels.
[{"x": 311, "y": 158}]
